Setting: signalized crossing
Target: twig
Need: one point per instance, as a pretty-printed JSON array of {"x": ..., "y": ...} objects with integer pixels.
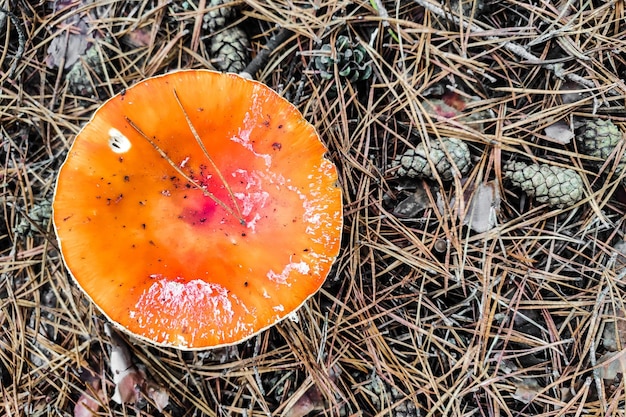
[
  {"x": 599, "y": 304},
  {"x": 382, "y": 12},
  {"x": 261, "y": 59},
  {"x": 255, "y": 354},
  {"x": 189, "y": 179},
  {"x": 513, "y": 47},
  {"x": 208, "y": 156},
  {"x": 197, "y": 26},
  {"x": 21, "y": 40},
  {"x": 384, "y": 15}
]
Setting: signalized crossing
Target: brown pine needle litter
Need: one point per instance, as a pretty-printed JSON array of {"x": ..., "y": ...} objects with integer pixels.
[{"x": 422, "y": 315}]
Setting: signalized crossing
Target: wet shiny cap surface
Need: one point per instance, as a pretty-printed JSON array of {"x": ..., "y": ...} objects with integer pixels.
[{"x": 197, "y": 209}]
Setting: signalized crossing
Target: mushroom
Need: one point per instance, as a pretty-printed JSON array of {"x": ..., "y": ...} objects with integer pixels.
[{"x": 196, "y": 209}]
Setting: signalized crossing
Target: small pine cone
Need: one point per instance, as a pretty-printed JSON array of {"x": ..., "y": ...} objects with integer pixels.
[
  {"x": 414, "y": 162},
  {"x": 599, "y": 138},
  {"x": 38, "y": 219},
  {"x": 220, "y": 13},
  {"x": 557, "y": 186},
  {"x": 229, "y": 49},
  {"x": 353, "y": 63}
]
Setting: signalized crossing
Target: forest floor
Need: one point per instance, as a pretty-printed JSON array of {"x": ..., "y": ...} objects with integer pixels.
[{"x": 479, "y": 276}]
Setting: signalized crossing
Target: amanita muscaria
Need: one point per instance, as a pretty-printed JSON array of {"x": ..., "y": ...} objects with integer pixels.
[{"x": 197, "y": 208}]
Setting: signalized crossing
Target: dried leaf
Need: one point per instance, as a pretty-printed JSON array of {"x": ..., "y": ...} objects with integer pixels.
[
  {"x": 413, "y": 204},
  {"x": 455, "y": 100},
  {"x": 454, "y": 106},
  {"x": 74, "y": 34},
  {"x": 138, "y": 38},
  {"x": 559, "y": 132},
  {"x": 614, "y": 334},
  {"x": 158, "y": 395},
  {"x": 575, "y": 92},
  {"x": 311, "y": 401},
  {"x": 87, "y": 405},
  {"x": 482, "y": 207},
  {"x": 611, "y": 364},
  {"x": 128, "y": 388},
  {"x": 67, "y": 47},
  {"x": 526, "y": 390},
  {"x": 438, "y": 107},
  {"x": 620, "y": 249}
]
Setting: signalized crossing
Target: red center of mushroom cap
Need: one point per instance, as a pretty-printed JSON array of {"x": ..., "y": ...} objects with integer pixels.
[{"x": 197, "y": 209}]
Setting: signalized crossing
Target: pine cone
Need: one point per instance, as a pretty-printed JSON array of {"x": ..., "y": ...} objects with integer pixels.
[
  {"x": 559, "y": 187},
  {"x": 414, "y": 162},
  {"x": 220, "y": 13},
  {"x": 599, "y": 138},
  {"x": 229, "y": 48},
  {"x": 38, "y": 219},
  {"x": 350, "y": 58}
]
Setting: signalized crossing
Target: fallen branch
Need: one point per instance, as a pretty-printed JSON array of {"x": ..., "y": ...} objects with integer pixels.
[
  {"x": 21, "y": 40},
  {"x": 261, "y": 59}
]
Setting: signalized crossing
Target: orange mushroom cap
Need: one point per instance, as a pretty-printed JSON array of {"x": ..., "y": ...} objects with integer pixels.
[{"x": 197, "y": 209}]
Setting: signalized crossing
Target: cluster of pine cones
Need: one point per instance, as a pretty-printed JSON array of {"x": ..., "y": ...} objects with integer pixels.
[
  {"x": 229, "y": 45},
  {"x": 555, "y": 185}
]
